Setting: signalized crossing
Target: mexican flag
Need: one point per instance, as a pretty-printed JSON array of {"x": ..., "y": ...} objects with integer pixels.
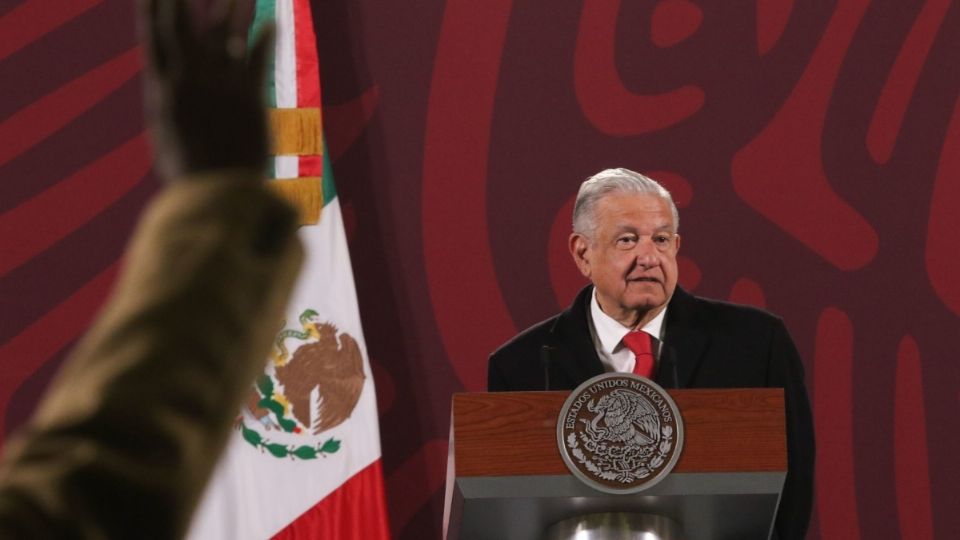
[{"x": 304, "y": 461}]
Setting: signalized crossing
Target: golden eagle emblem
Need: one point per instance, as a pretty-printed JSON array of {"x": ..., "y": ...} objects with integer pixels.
[{"x": 317, "y": 386}]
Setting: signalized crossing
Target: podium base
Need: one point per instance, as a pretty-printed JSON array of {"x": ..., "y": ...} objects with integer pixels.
[{"x": 615, "y": 526}]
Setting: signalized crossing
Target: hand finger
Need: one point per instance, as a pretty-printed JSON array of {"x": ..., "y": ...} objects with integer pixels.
[
  {"x": 224, "y": 11},
  {"x": 151, "y": 24},
  {"x": 182, "y": 31},
  {"x": 170, "y": 35},
  {"x": 239, "y": 29},
  {"x": 221, "y": 27},
  {"x": 262, "y": 47}
]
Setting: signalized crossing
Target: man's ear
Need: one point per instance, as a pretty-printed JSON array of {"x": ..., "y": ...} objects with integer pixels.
[
  {"x": 678, "y": 242},
  {"x": 579, "y": 249}
]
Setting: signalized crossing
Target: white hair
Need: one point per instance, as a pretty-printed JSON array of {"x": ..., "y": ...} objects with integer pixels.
[{"x": 609, "y": 181}]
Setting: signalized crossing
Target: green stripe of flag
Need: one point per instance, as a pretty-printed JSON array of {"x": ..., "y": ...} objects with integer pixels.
[
  {"x": 265, "y": 12},
  {"x": 329, "y": 188}
]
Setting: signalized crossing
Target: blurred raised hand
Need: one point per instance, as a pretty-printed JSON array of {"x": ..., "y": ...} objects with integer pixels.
[{"x": 204, "y": 88}]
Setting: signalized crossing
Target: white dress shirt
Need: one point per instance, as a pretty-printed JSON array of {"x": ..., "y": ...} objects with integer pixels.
[{"x": 607, "y": 334}]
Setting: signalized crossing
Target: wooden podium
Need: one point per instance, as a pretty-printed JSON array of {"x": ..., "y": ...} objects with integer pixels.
[{"x": 507, "y": 481}]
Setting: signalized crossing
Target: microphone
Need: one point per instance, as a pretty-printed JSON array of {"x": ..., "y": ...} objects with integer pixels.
[
  {"x": 545, "y": 352},
  {"x": 667, "y": 372}
]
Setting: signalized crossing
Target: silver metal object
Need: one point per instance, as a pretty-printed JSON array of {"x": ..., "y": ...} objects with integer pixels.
[
  {"x": 620, "y": 433},
  {"x": 615, "y": 526}
]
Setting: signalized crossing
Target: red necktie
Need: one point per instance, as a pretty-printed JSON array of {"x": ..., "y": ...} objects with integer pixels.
[{"x": 639, "y": 342}]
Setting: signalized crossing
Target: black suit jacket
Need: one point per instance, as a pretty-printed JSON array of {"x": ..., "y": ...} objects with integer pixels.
[{"x": 707, "y": 344}]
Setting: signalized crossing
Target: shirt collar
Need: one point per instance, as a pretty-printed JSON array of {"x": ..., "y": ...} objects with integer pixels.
[{"x": 610, "y": 332}]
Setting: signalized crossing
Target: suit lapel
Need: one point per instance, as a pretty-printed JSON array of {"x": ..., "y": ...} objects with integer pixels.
[
  {"x": 575, "y": 357},
  {"x": 685, "y": 339},
  {"x": 574, "y": 353}
]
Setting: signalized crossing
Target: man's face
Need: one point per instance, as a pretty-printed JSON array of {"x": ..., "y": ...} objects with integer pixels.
[{"x": 631, "y": 257}]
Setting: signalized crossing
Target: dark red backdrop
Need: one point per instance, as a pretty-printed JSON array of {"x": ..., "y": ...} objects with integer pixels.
[{"x": 814, "y": 149}]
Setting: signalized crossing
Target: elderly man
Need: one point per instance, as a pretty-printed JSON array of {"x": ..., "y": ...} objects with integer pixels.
[{"x": 634, "y": 318}]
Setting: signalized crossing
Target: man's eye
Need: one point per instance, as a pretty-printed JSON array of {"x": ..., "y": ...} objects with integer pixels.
[
  {"x": 661, "y": 239},
  {"x": 626, "y": 242}
]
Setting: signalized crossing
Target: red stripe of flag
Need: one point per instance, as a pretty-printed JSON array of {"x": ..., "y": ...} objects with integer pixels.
[
  {"x": 308, "y": 74},
  {"x": 308, "y": 65},
  {"x": 355, "y": 511}
]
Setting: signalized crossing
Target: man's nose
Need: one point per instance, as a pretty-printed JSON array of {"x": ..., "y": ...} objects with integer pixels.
[{"x": 646, "y": 252}]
